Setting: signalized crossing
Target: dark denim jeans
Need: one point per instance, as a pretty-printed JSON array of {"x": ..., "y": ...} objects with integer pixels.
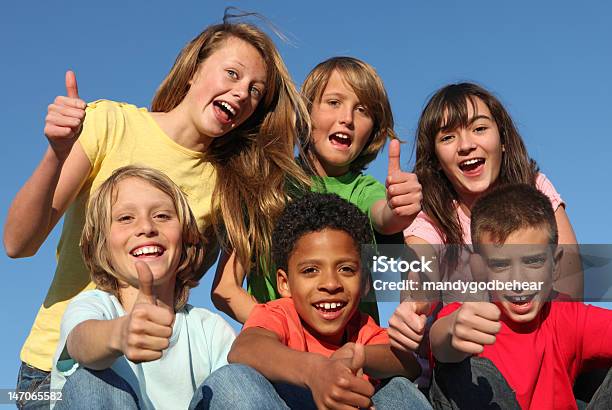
[
  {"x": 32, "y": 380},
  {"x": 474, "y": 383}
]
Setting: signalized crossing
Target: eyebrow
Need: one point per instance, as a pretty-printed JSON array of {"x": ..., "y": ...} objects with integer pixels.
[
  {"x": 334, "y": 94},
  {"x": 128, "y": 206},
  {"x": 534, "y": 256},
  {"x": 479, "y": 117}
]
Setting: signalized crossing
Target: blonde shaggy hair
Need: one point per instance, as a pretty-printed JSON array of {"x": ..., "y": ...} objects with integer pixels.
[
  {"x": 370, "y": 90},
  {"x": 94, "y": 239}
]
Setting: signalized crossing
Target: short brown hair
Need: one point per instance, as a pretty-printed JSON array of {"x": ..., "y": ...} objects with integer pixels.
[
  {"x": 509, "y": 208},
  {"x": 94, "y": 240},
  {"x": 370, "y": 90}
]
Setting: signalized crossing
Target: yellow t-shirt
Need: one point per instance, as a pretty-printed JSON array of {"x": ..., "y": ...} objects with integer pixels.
[{"x": 114, "y": 135}]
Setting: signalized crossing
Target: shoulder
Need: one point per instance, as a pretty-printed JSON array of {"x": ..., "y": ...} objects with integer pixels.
[
  {"x": 278, "y": 316},
  {"x": 424, "y": 227},
  {"x": 544, "y": 185},
  {"x": 367, "y": 331},
  {"x": 95, "y": 297},
  {"x": 100, "y": 106},
  {"x": 211, "y": 324}
]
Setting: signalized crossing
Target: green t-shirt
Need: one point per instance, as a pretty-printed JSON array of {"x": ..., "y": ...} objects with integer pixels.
[{"x": 362, "y": 191}]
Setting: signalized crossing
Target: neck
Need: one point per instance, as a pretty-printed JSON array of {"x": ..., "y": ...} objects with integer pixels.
[
  {"x": 326, "y": 170},
  {"x": 181, "y": 130}
]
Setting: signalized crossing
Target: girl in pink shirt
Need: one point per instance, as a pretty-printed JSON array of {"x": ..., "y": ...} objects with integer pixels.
[{"x": 467, "y": 144}]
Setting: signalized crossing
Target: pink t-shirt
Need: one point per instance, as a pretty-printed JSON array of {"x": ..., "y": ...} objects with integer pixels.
[{"x": 424, "y": 228}]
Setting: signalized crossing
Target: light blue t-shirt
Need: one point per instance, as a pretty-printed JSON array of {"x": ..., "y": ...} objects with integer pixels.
[{"x": 199, "y": 345}]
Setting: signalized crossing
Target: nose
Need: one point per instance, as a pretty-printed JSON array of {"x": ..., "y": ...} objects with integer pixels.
[
  {"x": 330, "y": 283},
  {"x": 146, "y": 227},
  {"x": 516, "y": 276},
  {"x": 241, "y": 91},
  {"x": 466, "y": 142},
  {"x": 346, "y": 117}
]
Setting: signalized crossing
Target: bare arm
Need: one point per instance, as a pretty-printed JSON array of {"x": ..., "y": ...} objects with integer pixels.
[
  {"x": 86, "y": 345},
  {"x": 255, "y": 347},
  {"x": 227, "y": 292},
  {"x": 571, "y": 279},
  {"x": 386, "y": 221},
  {"x": 332, "y": 382},
  {"x": 384, "y": 361},
  {"x": 42, "y": 200}
]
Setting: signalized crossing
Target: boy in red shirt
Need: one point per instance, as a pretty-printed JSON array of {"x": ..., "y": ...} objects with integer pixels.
[
  {"x": 525, "y": 347},
  {"x": 313, "y": 347}
]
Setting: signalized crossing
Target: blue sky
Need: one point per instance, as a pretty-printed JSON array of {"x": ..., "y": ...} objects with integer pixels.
[{"x": 548, "y": 61}]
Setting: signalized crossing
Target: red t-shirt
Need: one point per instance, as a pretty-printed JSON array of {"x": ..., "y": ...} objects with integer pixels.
[{"x": 540, "y": 359}]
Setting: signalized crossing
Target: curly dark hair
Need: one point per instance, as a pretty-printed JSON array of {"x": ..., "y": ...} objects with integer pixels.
[{"x": 315, "y": 212}]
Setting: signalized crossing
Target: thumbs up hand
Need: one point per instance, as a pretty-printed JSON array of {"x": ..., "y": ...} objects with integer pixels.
[
  {"x": 407, "y": 325},
  {"x": 338, "y": 382},
  {"x": 147, "y": 329},
  {"x": 476, "y": 325},
  {"x": 64, "y": 119},
  {"x": 403, "y": 188}
]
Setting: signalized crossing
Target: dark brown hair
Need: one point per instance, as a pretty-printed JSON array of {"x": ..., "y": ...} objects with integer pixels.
[{"x": 448, "y": 110}]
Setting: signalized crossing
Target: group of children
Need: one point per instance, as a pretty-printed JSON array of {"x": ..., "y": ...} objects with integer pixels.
[{"x": 219, "y": 145}]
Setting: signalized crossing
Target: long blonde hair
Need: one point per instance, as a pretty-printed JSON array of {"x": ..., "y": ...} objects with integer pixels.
[
  {"x": 255, "y": 161},
  {"x": 94, "y": 239}
]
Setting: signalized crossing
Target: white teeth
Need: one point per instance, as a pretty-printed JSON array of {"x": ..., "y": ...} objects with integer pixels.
[
  {"x": 328, "y": 305},
  {"x": 471, "y": 161},
  {"x": 147, "y": 250},
  {"x": 228, "y": 107},
  {"x": 342, "y": 136}
]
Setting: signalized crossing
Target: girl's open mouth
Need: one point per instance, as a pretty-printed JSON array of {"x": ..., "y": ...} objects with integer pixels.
[
  {"x": 472, "y": 167},
  {"x": 224, "y": 111}
]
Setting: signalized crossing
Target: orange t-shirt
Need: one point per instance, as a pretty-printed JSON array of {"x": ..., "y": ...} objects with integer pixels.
[{"x": 279, "y": 316}]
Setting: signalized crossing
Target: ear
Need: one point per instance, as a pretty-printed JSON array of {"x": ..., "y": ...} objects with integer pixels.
[
  {"x": 503, "y": 148},
  {"x": 282, "y": 283},
  {"x": 557, "y": 258}
]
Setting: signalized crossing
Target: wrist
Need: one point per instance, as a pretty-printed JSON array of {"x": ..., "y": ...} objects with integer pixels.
[
  {"x": 313, "y": 369},
  {"x": 117, "y": 335},
  {"x": 58, "y": 152}
]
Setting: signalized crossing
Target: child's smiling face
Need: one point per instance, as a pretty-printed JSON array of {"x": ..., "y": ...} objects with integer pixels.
[
  {"x": 226, "y": 88},
  {"x": 341, "y": 127},
  {"x": 324, "y": 280},
  {"x": 471, "y": 157},
  {"x": 525, "y": 256},
  {"x": 144, "y": 227}
]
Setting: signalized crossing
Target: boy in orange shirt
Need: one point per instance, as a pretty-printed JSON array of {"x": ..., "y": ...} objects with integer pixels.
[{"x": 312, "y": 347}]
